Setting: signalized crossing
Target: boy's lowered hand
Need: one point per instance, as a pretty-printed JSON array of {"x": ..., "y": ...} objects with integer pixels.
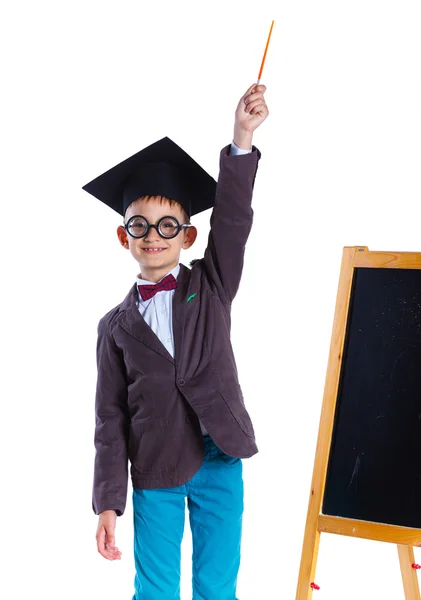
[
  {"x": 105, "y": 535},
  {"x": 251, "y": 112}
]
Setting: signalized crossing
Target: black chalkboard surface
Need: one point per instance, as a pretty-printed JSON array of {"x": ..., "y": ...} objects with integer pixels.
[{"x": 374, "y": 469}]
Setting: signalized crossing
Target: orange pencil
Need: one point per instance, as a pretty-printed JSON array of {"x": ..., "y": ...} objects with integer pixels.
[{"x": 264, "y": 55}]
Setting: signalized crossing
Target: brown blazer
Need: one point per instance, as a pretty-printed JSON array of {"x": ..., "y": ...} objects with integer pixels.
[{"x": 147, "y": 402}]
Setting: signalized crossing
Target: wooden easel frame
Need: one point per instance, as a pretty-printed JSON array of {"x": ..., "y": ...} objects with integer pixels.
[{"x": 317, "y": 523}]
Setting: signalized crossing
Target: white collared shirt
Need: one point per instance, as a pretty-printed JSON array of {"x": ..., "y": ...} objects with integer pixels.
[{"x": 157, "y": 311}]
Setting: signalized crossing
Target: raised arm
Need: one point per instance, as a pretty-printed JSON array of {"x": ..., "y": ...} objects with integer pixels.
[{"x": 232, "y": 215}]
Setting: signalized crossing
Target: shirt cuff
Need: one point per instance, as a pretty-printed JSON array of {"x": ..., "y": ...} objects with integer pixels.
[{"x": 236, "y": 151}]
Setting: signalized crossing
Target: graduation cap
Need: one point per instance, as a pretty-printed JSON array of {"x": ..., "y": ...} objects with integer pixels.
[{"x": 161, "y": 169}]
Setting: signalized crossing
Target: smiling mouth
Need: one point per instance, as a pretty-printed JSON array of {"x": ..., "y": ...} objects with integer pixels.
[{"x": 153, "y": 250}]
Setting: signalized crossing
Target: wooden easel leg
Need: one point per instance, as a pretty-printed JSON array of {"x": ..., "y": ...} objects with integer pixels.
[
  {"x": 308, "y": 562},
  {"x": 409, "y": 575}
]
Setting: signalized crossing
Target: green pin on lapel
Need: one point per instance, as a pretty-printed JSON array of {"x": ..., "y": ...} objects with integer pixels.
[{"x": 191, "y": 297}]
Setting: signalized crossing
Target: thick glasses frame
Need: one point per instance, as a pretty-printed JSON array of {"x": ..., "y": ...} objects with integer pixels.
[{"x": 157, "y": 226}]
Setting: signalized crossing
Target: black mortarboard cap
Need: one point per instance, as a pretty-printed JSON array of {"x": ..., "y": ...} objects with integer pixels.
[{"x": 161, "y": 169}]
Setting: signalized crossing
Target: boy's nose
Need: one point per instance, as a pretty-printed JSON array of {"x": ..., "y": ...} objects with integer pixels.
[{"x": 152, "y": 234}]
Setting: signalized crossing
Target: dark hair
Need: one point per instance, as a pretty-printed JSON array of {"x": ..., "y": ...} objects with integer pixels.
[{"x": 163, "y": 199}]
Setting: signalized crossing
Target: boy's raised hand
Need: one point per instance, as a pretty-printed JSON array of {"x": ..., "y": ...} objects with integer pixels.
[
  {"x": 105, "y": 535},
  {"x": 251, "y": 112}
]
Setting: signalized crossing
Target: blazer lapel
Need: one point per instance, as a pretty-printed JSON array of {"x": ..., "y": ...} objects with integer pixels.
[
  {"x": 180, "y": 307},
  {"x": 135, "y": 325}
]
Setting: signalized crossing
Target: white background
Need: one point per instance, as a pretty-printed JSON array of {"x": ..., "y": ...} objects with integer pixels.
[{"x": 85, "y": 84}]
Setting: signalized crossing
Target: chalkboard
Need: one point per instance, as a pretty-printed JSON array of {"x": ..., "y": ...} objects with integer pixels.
[
  {"x": 374, "y": 468},
  {"x": 366, "y": 479}
]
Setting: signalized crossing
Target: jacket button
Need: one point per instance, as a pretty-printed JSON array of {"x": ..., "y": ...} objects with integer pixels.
[{"x": 181, "y": 382}]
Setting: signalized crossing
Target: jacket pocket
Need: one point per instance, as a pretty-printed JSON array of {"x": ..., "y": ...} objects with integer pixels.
[
  {"x": 151, "y": 446},
  {"x": 239, "y": 412}
]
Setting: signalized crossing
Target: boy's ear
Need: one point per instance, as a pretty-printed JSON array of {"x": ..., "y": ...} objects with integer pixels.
[
  {"x": 190, "y": 237},
  {"x": 122, "y": 236}
]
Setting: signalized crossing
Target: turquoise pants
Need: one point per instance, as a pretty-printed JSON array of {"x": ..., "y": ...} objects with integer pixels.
[{"x": 215, "y": 502}]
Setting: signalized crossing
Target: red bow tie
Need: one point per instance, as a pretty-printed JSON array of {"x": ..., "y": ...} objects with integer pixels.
[{"x": 148, "y": 291}]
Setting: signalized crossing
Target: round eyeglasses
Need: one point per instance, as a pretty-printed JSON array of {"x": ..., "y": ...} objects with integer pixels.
[{"x": 167, "y": 227}]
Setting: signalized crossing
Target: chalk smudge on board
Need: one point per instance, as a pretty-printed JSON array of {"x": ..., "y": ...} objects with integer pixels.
[
  {"x": 396, "y": 362},
  {"x": 355, "y": 472}
]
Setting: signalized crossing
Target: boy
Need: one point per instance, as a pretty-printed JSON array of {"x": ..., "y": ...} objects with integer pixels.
[{"x": 168, "y": 397}]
